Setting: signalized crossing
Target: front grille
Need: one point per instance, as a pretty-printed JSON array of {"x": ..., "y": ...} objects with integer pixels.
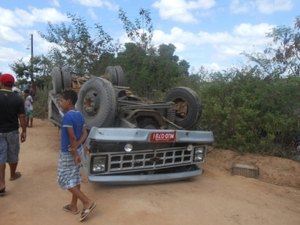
[{"x": 147, "y": 160}]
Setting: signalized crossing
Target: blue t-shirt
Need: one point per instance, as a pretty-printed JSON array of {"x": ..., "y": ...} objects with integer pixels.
[{"x": 71, "y": 119}]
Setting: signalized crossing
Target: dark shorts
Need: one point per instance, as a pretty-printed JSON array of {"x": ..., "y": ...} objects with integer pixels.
[{"x": 9, "y": 147}]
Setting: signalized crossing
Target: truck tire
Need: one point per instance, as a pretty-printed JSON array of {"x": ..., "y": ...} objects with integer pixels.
[
  {"x": 97, "y": 102},
  {"x": 120, "y": 76},
  {"x": 115, "y": 75},
  {"x": 110, "y": 73},
  {"x": 188, "y": 107},
  {"x": 56, "y": 80},
  {"x": 66, "y": 78}
]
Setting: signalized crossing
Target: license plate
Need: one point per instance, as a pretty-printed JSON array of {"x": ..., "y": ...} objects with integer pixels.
[{"x": 169, "y": 136}]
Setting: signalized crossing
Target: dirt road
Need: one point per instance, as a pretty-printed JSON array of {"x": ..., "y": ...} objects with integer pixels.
[{"x": 214, "y": 198}]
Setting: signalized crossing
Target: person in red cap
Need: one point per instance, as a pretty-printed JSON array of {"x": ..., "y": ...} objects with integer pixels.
[{"x": 11, "y": 114}]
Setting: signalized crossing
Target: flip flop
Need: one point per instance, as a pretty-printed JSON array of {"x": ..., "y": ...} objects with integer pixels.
[
  {"x": 86, "y": 212},
  {"x": 17, "y": 175},
  {"x": 68, "y": 209},
  {"x": 2, "y": 192}
]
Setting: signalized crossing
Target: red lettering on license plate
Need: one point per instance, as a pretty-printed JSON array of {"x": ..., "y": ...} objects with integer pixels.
[{"x": 163, "y": 136}]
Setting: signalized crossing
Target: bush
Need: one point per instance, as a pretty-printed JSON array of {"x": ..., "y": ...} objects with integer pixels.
[
  {"x": 251, "y": 114},
  {"x": 40, "y": 105}
]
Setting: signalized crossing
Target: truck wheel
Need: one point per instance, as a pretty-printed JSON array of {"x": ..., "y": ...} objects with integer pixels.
[
  {"x": 111, "y": 74},
  {"x": 56, "y": 80},
  {"x": 187, "y": 104},
  {"x": 120, "y": 76},
  {"x": 66, "y": 78},
  {"x": 97, "y": 102},
  {"x": 115, "y": 75}
]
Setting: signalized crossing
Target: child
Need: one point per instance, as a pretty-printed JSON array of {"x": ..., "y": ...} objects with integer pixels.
[
  {"x": 28, "y": 108},
  {"x": 73, "y": 134}
]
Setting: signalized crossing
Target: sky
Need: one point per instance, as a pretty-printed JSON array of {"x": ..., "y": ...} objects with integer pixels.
[{"x": 209, "y": 33}]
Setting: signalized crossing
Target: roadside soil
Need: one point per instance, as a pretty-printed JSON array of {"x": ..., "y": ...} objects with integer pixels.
[{"x": 216, "y": 197}]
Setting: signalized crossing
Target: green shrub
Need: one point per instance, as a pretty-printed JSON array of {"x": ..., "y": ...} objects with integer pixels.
[
  {"x": 40, "y": 105},
  {"x": 251, "y": 114}
]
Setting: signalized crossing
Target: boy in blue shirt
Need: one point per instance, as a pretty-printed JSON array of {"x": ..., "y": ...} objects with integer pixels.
[{"x": 73, "y": 134}]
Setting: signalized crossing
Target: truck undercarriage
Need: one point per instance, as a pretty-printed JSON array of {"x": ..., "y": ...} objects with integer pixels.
[{"x": 132, "y": 140}]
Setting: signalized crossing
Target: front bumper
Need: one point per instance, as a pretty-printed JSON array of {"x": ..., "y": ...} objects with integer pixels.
[{"x": 145, "y": 179}]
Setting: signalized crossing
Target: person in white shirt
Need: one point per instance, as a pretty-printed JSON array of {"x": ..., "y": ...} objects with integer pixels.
[{"x": 28, "y": 108}]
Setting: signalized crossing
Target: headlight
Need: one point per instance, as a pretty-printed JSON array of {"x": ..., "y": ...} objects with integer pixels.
[
  {"x": 199, "y": 151},
  {"x": 128, "y": 147},
  {"x": 99, "y": 164},
  {"x": 199, "y": 154},
  {"x": 190, "y": 148},
  {"x": 198, "y": 158}
]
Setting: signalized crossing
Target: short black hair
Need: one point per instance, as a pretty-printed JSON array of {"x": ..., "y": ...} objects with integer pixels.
[
  {"x": 26, "y": 91},
  {"x": 70, "y": 95}
]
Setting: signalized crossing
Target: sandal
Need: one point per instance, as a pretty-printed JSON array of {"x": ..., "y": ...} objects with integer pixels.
[
  {"x": 17, "y": 175},
  {"x": 86, "y": 212},
  {"x": 67, "y": 208}
]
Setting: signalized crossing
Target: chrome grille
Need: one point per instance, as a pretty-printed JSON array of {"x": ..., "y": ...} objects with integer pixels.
[{"x": 149, "y": 160}]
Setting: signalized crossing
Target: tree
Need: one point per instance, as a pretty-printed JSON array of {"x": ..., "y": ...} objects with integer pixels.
[
  {"x": 133, "y": 60},
  {"x": 141, "y": 31},
  {"x": 20, "y": 68},
  {"x": 76, "y": 48},
  {"x": 287, "y": 54},
  {"x": 151, "y": 69},
  {"x": 283, "y": 58},
  {"x": 41, "y": 70}
]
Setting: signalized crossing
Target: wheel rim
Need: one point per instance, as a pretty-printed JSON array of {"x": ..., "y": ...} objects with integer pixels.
[
  {"x": 91, "y": 103},
  {"x": 181, "y": 108}
]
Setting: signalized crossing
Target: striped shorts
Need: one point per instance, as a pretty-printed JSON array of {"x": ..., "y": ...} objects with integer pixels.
[{"x": 68, "y": 173}]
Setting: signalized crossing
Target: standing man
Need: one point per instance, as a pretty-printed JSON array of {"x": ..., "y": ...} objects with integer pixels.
[{"x": 12, "y": 112}]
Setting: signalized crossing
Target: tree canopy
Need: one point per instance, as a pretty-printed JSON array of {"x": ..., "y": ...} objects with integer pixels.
[{"x": 283, "y": 57}]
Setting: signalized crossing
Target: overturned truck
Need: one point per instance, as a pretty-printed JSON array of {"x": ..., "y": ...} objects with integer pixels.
[{"x": 132, "y": 140}]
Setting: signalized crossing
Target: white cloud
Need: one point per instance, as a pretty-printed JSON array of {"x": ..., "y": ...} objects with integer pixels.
[
  {"x": 250, "y": 31},
  {"x": 270, "y": 6},
  {"x": 92, "y": 14},
  {"x": 14, "y": 24},
  {"x": 16, "y": 27},
  {"x": 262, "y": 6},
  {"x": 240, "y": 6},
  {"x": 213, "y": 66},
  {"x": 188, "y": 39},
  {"x": 7, "y": 57},
  {"x": 56, "y": 3},
  {"x": 8, "y": 34},
  {"x": 21, "y": 18},
  {"x": 98, "y": 3},
  {"x": 48, "y": 15},
  {"x": 181, "y": 10},
  {"x": 176, "y": 36},
  {"x": 220, "y": 46}
]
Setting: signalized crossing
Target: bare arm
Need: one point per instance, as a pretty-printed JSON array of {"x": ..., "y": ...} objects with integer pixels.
[
  {"x": 83, "y": 136},
  {"x": 22, "y": 121},
  {"x": 73, "y": 145}
]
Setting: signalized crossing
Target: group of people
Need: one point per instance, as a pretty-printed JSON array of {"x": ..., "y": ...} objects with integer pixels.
[{"x": 16, "y": 116}]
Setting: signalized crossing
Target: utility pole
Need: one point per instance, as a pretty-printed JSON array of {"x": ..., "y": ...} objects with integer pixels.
[
  {"x": 33, "y": 85},
  {"x": 31, "y": 59}
]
